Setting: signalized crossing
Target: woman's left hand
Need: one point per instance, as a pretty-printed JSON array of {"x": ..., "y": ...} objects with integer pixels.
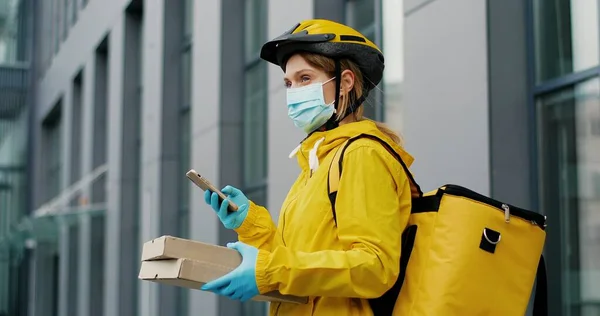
[{"x": 239, "y": 284}]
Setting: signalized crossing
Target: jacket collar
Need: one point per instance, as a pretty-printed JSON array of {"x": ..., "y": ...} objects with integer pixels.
[{"x": 318, "y": 145}]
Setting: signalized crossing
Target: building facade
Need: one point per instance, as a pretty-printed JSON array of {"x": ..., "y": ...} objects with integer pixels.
[
  {"x": 15, "y": 113},
  {"x": 118, "y": 99}
]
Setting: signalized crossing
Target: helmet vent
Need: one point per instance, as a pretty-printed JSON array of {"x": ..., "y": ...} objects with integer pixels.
[{"x": 352, "y": 38}]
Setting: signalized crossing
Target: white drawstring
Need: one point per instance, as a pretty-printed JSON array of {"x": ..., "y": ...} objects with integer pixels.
[
  {"x": 295, "y": 151},
  {"x": 313, "y": 159}
]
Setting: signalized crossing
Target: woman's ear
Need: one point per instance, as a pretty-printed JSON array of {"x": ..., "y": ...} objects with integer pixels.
[{"x": 347, "y": 82}]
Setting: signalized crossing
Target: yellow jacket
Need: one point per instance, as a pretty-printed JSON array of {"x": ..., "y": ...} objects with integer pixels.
[{"x": 338, "y": 268}]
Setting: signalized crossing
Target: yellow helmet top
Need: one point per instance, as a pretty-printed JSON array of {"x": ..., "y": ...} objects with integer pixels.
[{"x": 330, "y": 39}]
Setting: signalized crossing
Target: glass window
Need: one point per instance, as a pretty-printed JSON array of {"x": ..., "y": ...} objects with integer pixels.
[
  {"x": 255, "y": 28},
  {"x": 360, "y": 14},
  {"x": 185, "y": 166},
  {"x": 255, "y": 96},
  {"x": 51, "y": 29},
  {"x": 76, "y": 127},
  {"x": 46, "y": 37},
  {"x": 255, "y": 126},
  {"x": 570, "y": 156},
  {"x": 73, "y": 264},
  {"x": 363, "y": 16},
  {"x": 97, "y": 266},
  {"x": 56, "y": 16},
  {"x": 66, "y": 16},
  {"x": 188, "y": 18},
  {"x": 566, "y": 37},
  {"x": 11, "y": 34},
  {"x": 186, "y": 77},
  {"x": 53, "y": 150}
]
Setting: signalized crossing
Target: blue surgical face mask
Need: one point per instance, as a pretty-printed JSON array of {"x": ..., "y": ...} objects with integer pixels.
[{"x": 307, "y": 107}]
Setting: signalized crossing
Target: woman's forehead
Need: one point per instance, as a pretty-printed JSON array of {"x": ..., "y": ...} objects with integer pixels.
[{"x": 297, "y": 64}]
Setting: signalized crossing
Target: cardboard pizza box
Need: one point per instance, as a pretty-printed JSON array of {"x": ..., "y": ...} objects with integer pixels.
[{"x": 187, "y": 263}]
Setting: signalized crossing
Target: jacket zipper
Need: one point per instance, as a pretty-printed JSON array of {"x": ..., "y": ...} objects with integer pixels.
[{"x": 532, "y": 217}]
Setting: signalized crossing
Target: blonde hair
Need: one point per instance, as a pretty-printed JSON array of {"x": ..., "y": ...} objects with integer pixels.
[{"x": 328, "y": 65}]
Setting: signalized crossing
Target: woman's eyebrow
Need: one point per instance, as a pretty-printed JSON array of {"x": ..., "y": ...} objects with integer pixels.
[{"x": 297, "y": 72}]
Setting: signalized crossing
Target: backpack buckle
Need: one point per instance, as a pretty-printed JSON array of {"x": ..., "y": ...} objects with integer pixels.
[{"x": 506, "y": 213}]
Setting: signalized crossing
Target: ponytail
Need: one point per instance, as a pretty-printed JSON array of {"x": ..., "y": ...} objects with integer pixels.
[{"x": 386, "y": 130}]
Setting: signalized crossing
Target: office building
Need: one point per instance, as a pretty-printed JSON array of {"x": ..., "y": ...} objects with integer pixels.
[{"x": 104, "y": 105}]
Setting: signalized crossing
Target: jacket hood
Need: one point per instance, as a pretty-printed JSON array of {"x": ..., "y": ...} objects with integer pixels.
[{"x": 319, "y": 144}]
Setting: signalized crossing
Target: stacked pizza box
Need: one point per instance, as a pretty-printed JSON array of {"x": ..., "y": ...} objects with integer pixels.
[{"x": 187, "y": 263}]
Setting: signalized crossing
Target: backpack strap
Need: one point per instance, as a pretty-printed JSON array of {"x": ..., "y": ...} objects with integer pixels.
[
  {"x": 335, "y": 170},
  {"x": 540, "y": 303},
  {"x": 333, "y": 177},
  {"x": 383, "y": 305}
]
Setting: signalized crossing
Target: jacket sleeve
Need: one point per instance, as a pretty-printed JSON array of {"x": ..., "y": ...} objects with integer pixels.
[
  {"x": 257, "y": 229},
  {"x": 372, "y": 206}
]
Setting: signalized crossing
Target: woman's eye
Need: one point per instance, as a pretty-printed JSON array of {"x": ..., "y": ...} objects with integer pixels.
[
  {"x": 305, "y": 78},
  {"x": 288, "y": 84}
]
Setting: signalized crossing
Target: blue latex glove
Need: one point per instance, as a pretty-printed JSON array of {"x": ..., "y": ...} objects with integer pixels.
[
  {"x": 231, "y": 220},
  {"x": 239, "y": 284}
]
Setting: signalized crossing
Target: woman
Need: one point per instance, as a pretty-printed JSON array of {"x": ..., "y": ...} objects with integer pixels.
[{"x": 338, "y": 263}]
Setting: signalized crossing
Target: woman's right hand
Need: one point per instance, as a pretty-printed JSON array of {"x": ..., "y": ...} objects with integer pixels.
[{"x": 231, "y": 220}]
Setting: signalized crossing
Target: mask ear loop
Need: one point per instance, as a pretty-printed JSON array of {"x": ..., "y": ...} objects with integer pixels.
[{"x": 333, "y": 122}]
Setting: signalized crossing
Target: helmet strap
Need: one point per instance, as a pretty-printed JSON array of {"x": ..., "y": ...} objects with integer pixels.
[
  {"x": 333, "y": 122},
  {"x": 353, "y": 107}
]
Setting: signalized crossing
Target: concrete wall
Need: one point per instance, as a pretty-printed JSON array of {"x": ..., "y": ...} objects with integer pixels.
[
  {"x": 11, "y": 149},
  {"x": 510, "y": 113},
  {"x": 205, "y": 118},
  {"x": 446, "y": 93}
]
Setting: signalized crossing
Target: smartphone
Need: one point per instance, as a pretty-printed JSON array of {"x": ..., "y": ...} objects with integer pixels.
[{"x": 205, "y": 185}]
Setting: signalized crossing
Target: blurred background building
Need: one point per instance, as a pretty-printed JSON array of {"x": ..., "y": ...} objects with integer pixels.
[
  {"x": 104, "y": 105},
  {"x": 15, "y": 100}
]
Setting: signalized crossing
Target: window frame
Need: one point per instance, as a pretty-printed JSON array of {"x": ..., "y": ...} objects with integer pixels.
[
  {"x": 537, "y": 89},
  {"x": 53, "y": 144}
]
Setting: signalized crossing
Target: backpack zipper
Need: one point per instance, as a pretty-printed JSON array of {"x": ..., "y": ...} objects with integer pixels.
[{"x": 532, "y": 217}]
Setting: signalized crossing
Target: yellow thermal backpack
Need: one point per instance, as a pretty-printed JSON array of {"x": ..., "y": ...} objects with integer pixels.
[{"x": 462, "y": 253}]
